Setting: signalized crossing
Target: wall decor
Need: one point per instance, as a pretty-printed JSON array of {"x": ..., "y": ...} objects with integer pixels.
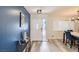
[{"x": 22, "y": 20}]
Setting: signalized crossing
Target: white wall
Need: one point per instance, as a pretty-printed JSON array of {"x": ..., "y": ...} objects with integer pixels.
[
  {"x": 77, "y": 26},
  {"x": 55, "y": 31},
  {"x": 51, "y": 34}
]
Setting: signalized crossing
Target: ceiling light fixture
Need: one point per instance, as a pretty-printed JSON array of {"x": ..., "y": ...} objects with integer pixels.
[{"x": 39, "y": 11}]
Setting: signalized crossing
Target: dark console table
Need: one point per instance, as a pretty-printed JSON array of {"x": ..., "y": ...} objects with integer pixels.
[{"x": 23, "y": 46}]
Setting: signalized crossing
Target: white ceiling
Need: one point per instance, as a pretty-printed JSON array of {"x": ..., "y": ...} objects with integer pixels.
[
  {"x": 67, "y": 11},
  {"x": 45, "y": 9}
]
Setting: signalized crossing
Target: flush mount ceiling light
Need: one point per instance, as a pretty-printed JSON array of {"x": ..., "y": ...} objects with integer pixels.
[{"x": 39, "y": 11}]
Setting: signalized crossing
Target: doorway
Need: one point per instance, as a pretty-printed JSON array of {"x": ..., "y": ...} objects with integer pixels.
[
  {"x": 44, "y": 38},
  {"x": 38, "y": 28}
]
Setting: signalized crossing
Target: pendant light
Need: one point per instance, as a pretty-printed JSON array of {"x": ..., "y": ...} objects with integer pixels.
[
  {"x": 77, "y": 15},
  {"x": 75, "y": 18}
]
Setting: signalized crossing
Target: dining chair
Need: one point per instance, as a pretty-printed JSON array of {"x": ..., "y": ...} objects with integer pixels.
[{"x": 69, "y": 38}]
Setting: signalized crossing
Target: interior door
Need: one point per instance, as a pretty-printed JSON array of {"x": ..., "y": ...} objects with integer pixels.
[{"x": 38, "y": 27}]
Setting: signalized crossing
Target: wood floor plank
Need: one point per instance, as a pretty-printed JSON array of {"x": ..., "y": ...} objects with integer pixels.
[{"x": 51, "y": 46}]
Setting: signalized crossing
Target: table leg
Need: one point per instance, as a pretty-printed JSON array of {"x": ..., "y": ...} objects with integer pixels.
[
  {"x": 63, "y": 37},
  {"x": 78, "y": 44}
]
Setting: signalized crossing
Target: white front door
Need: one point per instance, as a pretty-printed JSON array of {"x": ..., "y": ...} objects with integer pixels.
[{"x": 38, "y": 29}]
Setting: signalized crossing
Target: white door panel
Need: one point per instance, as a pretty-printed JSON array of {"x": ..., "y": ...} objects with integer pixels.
[{"x": 36, "y": 30}]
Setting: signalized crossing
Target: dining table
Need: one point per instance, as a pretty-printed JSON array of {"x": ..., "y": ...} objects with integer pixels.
[{"x": 76, "y": 34}]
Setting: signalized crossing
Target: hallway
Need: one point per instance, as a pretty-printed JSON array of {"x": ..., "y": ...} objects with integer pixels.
[
  {"x": 45, "y": 26},
  {"x": 51, "y": 46}
]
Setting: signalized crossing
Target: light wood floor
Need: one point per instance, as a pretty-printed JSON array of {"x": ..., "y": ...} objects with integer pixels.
[{"x": 51, "y": 46}]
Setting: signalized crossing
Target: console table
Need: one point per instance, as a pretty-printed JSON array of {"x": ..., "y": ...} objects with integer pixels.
[{"x": 23, "y": 46}]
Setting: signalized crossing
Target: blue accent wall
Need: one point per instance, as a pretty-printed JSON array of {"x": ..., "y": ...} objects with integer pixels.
[{"x": 10, "y": 32}]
